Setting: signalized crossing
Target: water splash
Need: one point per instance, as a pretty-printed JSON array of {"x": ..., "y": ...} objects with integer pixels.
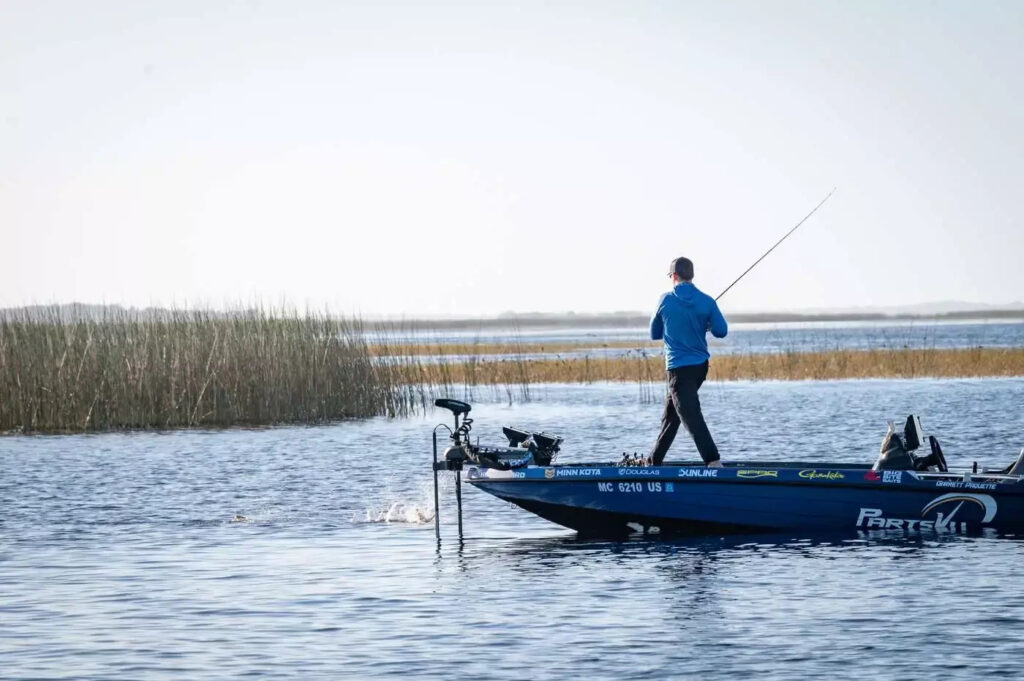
[
  {"x": 396, "y": 508},
  {"x": 400, "y": 512}
]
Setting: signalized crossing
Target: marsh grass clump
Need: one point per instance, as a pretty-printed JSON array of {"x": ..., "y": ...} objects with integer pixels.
[
  {"x": 647, "y": 370},
  {"x": 176, "y": 368}
]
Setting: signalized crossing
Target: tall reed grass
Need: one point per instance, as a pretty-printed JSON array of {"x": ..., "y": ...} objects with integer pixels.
[{"x": 189, "y": 368}]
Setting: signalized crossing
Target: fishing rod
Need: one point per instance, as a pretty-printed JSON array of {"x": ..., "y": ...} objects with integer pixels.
[{"x": 784, "y": 237}]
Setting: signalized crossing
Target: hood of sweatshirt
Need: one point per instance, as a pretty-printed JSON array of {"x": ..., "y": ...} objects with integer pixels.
[{"x": 686, "y": 292}]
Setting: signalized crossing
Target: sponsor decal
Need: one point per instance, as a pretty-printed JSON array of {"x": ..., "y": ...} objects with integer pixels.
[
  {"x": 949, "y": 519},
  {"x": 821, "y": 475},
  {"x": 984, "y": 501},
  {"x": 699, "y": 472},
  {"x": 549, "y": 473},
  {"x": 639, "y": 471},
  {"x": 577, "y": 472},
  {"x": 670, "y": 487},
  {"x": 518, "y": 474},
  {"x": 754, "y": 474},
  {"x": 895, "y": 477},
  {"x": 958, "y": 484}
]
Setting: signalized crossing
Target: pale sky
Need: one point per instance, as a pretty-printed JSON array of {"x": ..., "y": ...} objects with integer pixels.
[{"x": 475, "y": 158}]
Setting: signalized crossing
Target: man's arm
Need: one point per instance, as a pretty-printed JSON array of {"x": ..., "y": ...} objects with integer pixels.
[
  {"x": 657, "y": 325},
  {"x": 719, "y": 328}
]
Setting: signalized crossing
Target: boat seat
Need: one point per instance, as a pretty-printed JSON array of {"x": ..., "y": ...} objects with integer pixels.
[
  {"x": 1018, "y": 466},
  {"x": 515, "y": 436},
  {"x": 893, "y": 455}
]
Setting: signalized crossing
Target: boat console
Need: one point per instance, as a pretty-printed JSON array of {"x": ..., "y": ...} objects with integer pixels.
[{"x": 897, "y": 452}]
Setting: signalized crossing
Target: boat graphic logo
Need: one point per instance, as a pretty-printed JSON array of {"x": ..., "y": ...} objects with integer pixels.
[
  {"x": 753, "y": 474},
  {"x": 811, "y": 474},
  {"x": 952, "y": 522},
  {"x": 549, "y": 473},
  {"x": 987, "y": 504}
]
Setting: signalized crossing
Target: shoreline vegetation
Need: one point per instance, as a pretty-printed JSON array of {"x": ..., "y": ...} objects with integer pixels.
[
  {"x": 786, "y": 366},
  {"x": 187, "y": 369},
  {"x": 121, "y": 371}
]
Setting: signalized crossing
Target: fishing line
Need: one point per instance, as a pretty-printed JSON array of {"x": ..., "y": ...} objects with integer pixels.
[
  {"x": 784, "y": 237},
  {"x": 721, "y": 384}
]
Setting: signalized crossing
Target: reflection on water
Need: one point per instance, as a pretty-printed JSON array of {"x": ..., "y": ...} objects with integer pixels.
[{"x": 120, "y": 556}]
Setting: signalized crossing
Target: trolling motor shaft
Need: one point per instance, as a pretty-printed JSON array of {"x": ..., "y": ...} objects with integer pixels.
[{"x": 454, "y": 457}]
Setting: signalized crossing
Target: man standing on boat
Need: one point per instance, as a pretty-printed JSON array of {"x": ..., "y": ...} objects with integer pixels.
[{"x": 684, "y": 316}]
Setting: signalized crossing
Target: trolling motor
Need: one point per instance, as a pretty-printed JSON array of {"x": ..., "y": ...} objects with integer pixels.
[
  {"x": 524, "y": 448},
  {"x": 454, "y": 456}
]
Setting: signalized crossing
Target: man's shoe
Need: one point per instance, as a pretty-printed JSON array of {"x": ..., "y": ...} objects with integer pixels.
[{"x": 717, "y": 463}]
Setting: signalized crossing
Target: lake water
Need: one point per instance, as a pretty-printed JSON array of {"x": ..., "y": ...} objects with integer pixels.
[{"x": 119, "y": 557}]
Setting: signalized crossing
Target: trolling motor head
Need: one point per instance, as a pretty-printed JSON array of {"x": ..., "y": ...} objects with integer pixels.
[
  {"x": 457, "y": 408},
  {"x": 456, "y": 455}
]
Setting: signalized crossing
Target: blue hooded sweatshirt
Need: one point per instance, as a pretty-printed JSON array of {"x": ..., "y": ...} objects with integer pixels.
[{"x": 684, "y": 316}]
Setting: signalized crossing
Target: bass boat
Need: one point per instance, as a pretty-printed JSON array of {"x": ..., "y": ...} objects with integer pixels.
[{"x": 901, "y": 490}]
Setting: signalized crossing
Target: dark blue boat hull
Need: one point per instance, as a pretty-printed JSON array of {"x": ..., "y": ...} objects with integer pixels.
[{"x": 607, "y": 500}]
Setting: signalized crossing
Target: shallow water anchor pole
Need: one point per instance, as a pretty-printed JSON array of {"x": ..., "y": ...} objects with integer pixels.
[
  {"x": 437, "y": 515},
  {"x": 458, "y": 498},
  {"x": 454, "y": 457}
]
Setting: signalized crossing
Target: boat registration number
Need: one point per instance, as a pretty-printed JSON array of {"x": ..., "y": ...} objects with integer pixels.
[{"x": 635, "y": 487}]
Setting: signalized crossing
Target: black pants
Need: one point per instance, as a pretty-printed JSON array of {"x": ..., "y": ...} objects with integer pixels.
[{"x": 683, "y": 404}]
